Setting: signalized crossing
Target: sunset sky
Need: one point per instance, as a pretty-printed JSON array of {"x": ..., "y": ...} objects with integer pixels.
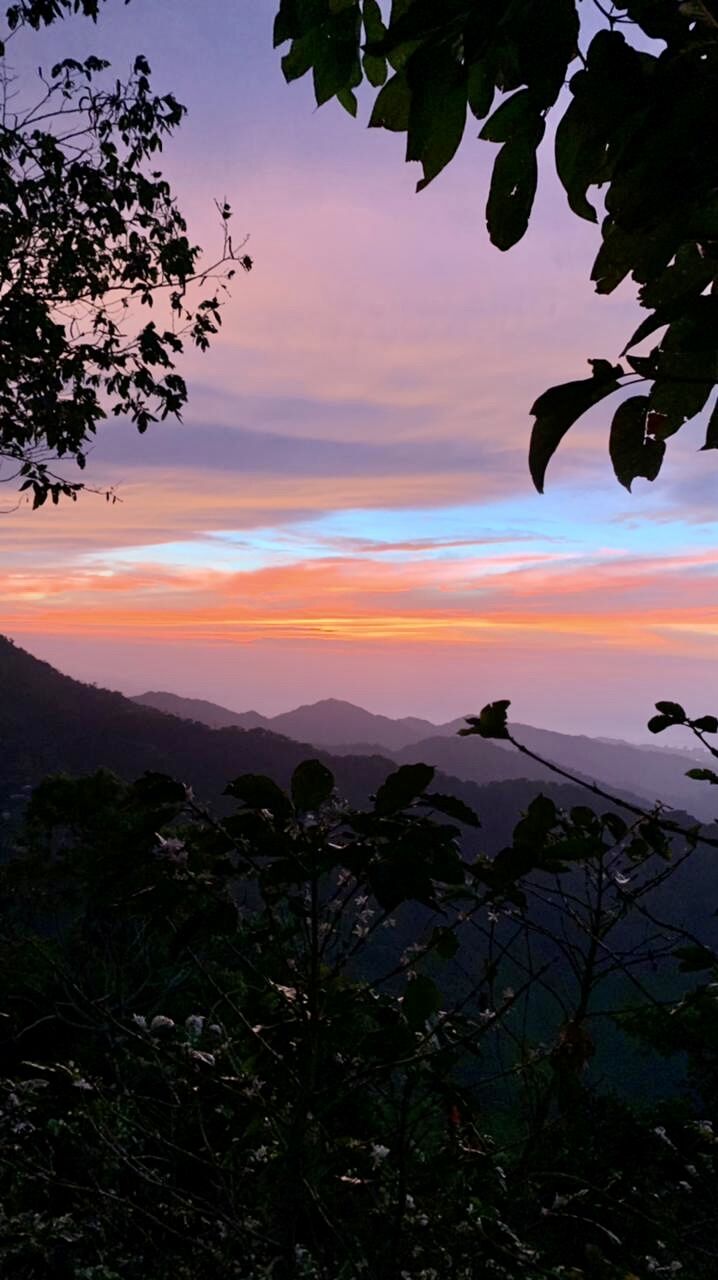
[{"x": 346, "y": 510}]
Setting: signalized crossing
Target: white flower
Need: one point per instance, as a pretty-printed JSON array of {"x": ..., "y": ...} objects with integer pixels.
[
  {"x": 378, "y": 1153},
  {"x": 661, "y": 1133},
  {"x": 289, "y": 993},
  {"x": 171, "y": 848},
  {"x": 160, "y": 1023},
  {"x": 207, "y": 1059}
]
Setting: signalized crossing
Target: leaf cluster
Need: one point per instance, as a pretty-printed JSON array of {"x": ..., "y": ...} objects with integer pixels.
[
  {"x": 287, "y": 1034},
  {"x": 91, "y": 238},
  {"x": 638, "y": 124}
]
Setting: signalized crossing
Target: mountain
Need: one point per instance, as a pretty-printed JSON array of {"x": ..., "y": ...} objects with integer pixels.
[
  {"x": 328, "y": 723},
  {"x": 649, "y": 772},
  {"x": 50, "y": 723},
  {"x": 209, "y": 713},
  {"x": 332, "y": 722},
  {"x": 655, "y": 774}
]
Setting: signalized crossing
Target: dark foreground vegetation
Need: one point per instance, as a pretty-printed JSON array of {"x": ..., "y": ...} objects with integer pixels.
[{"x": 309, "y": 1039}]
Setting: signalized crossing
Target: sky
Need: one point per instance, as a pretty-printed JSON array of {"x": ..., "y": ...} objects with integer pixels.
[{"x": 346, "y": 510}]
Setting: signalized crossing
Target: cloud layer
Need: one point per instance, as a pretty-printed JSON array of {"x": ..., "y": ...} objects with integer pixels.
[{"x": 347, "y": 508}]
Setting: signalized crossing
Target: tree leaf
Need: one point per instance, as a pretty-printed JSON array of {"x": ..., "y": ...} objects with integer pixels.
[
  {"x": 695, "y": 958},
  {"x": 348, "y": 100},
  {"x": 421, "y": 1000},
  {"x": 703, "y": 775},
  {"x": 517, "y": 116},
  {"x": 511, "y": 194},
  {"x": 374, "y": 27},
  {"x": 375, "y": 70},
  {"x": 480, "y": 89},
  {"x": 259, "y": 792},
  {"x": 559, "y": 407},
  {"x": 491, "y": 721},
  {"x": 634, "y": 452},
  {"x": 579, "y": 154},
  {"x": 615, "y": 825},
  {"x": 576, "y": 848},
  {"x": 540, "y": 818},
  {"x": 392, "y": 105},
  {"x": 300, "y": 58},
  {"x": 312, "y": 785},
  {"x": 661, "y": 316},
  {"x": 444, "y": 942},
  {"x": 657, "y": 724},
  {"x": 437, "y": 116},
  {"x": 402, "y": 787},
  {"x": 672, "y": 709},
  {"x": 706, "y": 724},
  {"x": 452, "y": 807},
  {"x": 375, "y": 67},
  {"x": 336, "y": 65}
]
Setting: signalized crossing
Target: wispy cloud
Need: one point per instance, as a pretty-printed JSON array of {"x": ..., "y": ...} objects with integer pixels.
[
  {"x": 349, "y": 498},
  {"x": 629, "y": 604}
]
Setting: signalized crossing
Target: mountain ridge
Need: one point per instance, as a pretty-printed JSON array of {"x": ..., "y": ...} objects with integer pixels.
[
  {"x": 650, "y": 773},
  {"x": 330, "y": 719},
  {"x": 51, "y": 723}
]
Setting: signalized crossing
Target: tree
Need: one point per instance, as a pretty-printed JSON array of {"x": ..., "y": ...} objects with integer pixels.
[
  {"x": 324, "y": 1042},
  {"x": 639, "y": 121},
  {"x": 90, "y": 237}
]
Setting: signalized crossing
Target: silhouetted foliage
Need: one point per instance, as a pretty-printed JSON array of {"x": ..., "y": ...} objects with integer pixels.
[
  {"x": 312, "y": 1040},
  {"x": 640, "y": 124},
  {"x": 90, "y": 237}
]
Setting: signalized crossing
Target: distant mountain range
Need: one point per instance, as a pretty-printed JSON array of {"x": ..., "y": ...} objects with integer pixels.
[
  {"x": 329, "y": 723},
  {"x": 645, "y": 772},
  {"x": 50, "y": 723}
]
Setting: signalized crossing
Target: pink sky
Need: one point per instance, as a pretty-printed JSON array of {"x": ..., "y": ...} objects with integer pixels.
[{"x": 347, "y": 509}]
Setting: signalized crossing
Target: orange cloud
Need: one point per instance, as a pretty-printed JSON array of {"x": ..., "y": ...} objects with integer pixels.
[{"x": 488, "y": 601}]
